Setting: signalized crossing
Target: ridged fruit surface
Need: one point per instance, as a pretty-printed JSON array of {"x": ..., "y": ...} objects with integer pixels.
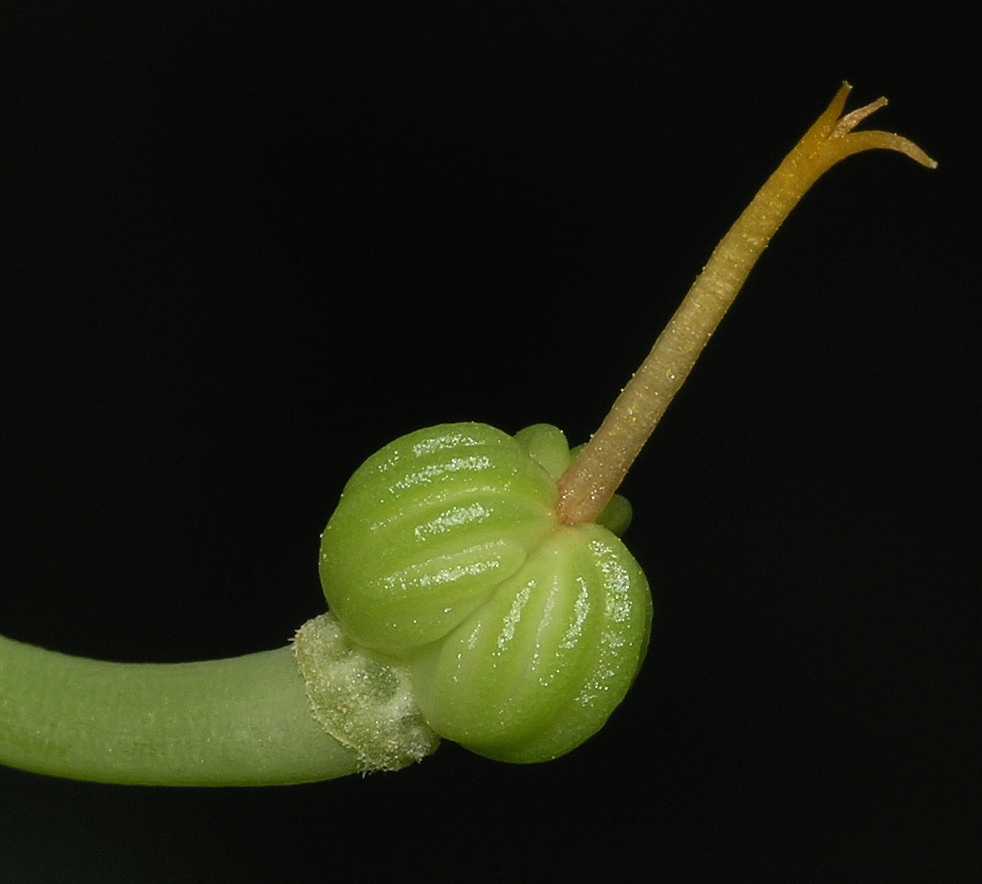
[
  {"x": 522, "y": 634},
  {"x": 427, "y": 528}
]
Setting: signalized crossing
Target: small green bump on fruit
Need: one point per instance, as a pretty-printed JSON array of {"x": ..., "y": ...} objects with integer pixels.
[
  {"x": 617, "y": 515},
  {"x": 547, "y": 446}
]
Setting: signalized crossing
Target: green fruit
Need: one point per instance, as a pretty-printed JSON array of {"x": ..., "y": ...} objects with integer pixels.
[{"x": 445, "y": 551}]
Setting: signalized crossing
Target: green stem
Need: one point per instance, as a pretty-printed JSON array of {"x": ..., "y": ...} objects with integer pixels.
[{"x": 243, "y": 721}]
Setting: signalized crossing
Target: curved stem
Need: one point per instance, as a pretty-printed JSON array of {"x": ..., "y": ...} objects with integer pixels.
[
  {"x": 590, "y": 482},
  {"x": 242, "y": 721}
]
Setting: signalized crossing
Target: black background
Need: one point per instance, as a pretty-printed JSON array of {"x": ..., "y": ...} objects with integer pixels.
[{"x": 255, "y": 241}]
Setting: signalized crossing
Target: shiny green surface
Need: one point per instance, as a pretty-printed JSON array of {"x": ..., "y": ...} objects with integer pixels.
[
  {"x": 523, "y": 634},
  {"x": 541, "y": 666},
  {"x": 426, "y": 529}
]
